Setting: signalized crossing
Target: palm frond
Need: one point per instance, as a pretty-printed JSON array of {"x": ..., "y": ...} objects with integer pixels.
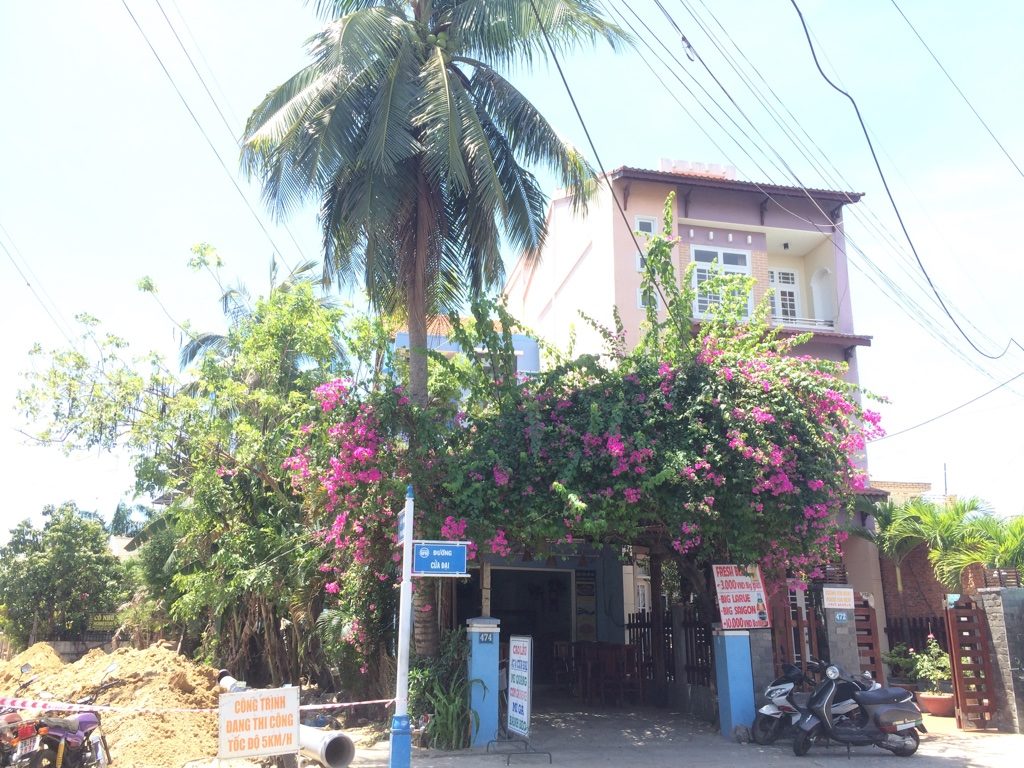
[
  {"x": 510, "y": 32},
  {"x": 202, "y": 345}
]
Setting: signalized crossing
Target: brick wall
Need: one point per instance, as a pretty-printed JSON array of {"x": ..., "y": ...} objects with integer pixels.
[
  {"x": 899, "y": 491},
  {"x": 922, "y": 595}
]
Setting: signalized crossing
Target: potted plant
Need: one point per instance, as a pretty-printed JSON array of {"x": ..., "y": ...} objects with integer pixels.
[
  {"x": 932, "y": 669},
  {"x": 900, "y": 660}
]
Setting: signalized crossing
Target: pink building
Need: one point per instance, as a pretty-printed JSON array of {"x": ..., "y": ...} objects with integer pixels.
[{"x": 786, "y": 238}]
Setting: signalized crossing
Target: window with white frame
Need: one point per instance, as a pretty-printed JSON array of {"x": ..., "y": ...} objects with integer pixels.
[
  {"x": 647, "y": 300},
  {"x": 715, "y": 261},
  {"x": 646, "y": 225},
  {"x": 785, "y": 294},
  {"x": 642, "y": 597}
]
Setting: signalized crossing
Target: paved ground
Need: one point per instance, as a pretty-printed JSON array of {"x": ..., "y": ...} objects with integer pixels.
[{"x": 654, "y": 738}]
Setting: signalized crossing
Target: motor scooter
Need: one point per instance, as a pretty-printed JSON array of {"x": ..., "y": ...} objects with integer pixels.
[
  {"x": 886, "y": 717},
  {"x": 76, "y": 741},
  {"x": 786, "y": 704}
]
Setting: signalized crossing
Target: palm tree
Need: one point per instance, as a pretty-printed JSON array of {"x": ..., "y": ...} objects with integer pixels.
[
  {"x": 415, "y": 145},
  {"x": 417, "y": 149},
  {"x": 953, "y": 532}
]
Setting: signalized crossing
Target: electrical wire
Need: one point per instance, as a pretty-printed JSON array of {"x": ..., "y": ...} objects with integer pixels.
[
  {"x": 958, "y": 89},
  {"x": 38, "y": 298},
  {"x": 951, "y": 410},
  {"x": 32, "y": 281},
  {"x": 590, "y": 140},
  {"x": 904, "y": 303},
  {"x": 899, "y": 297},
  {"x": 892, "y": 200},
  {"x": 206, "y": 136},
  {"x": 213, "y": 100}
]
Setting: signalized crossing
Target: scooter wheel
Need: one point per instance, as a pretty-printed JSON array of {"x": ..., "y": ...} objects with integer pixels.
[
  {"x": 909, "y": 749},
  {"x": 804, "y": 739},
  {"x": 765, "y": 729},
  {"x": 44, "y": 758}
]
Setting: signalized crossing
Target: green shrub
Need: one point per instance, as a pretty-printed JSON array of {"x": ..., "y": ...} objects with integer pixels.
[
  {"x": 900, "y": 660},
  {"x": 440, "y": 688},
  {"x": 932, "y": 665}
]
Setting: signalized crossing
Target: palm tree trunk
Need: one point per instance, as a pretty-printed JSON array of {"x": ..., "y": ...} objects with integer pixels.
[
  {"x": 416, "y": 298},
  {"x": 425, "y": 631}
]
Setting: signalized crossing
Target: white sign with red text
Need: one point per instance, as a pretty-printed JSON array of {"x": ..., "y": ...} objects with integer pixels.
[
  {"x": 741, "y": 597},
  {"x": 259, "y": 722},
  {"x": 837, "y": 598}
]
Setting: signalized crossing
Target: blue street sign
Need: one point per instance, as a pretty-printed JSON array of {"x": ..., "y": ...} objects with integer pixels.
[{"x": 439, "y": 558}]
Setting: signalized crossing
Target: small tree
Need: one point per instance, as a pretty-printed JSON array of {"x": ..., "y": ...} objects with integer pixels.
[{"x": 53, "y": 579}]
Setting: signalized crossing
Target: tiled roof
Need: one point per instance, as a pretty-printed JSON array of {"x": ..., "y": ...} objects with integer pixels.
[{"x": 718, "y": 182}]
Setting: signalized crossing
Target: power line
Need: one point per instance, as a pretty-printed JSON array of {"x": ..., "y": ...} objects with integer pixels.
[
  {"x": 206, "y": 136},
  {"x": 214, "y": 101},
  {"x": 958, "y": 89},
  {"x": 898, "y": 297},
  {"x": 951, "y": 410},
  {"x": 586, "y": 131},
  {"x": 28, "y": 284},
  {"x": 892, "y": 200},
  {"x": 788, "y": 169}
]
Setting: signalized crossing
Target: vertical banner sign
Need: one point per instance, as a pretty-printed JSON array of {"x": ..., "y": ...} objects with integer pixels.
[
  {"x": 520, "y": 659},
  {"x": 259, "y": 723},
  {"x": 741, "y": 597},
  {"x": 586, "y": 605}
]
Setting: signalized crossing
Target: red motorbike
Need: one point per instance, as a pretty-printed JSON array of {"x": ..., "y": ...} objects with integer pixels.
[{"x": 17, "y": 736}]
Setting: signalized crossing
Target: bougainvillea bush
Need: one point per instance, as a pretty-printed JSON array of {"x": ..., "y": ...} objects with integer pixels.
[
  {"x": 713, "y": 439},
  {"x": 710, "y": 442}
]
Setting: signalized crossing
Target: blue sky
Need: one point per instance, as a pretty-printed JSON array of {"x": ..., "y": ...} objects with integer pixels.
[{"x": 107, "y": 179}]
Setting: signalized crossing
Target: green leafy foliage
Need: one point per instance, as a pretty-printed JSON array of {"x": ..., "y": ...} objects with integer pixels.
[
  {"x": 932, "y": 665},
  {"x": 900, "y": 660},
  {"x": 52, "y": 579},
  {"x": 439, "y": 687}
]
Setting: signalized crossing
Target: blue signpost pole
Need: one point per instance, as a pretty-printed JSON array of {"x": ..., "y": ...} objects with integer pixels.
[{"x": 401, "y": 728}]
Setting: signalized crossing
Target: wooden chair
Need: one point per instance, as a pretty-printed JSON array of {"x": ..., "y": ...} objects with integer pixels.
[
  {"x": 565, "y": 672},
  {"x": 632, "y": 681}
]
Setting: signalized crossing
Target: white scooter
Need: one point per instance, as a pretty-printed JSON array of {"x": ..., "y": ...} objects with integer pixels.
[{"x": 786, "y": 704}]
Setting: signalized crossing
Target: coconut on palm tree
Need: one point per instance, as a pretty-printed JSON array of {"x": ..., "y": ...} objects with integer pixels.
[{"x": 419, "y": 150}]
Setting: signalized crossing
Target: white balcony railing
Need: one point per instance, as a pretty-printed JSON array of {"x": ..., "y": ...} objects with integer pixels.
[{"x": 803, "y": 322}]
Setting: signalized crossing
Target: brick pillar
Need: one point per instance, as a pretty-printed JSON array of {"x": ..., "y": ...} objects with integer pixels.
[{"x": 1004, "y": 609}]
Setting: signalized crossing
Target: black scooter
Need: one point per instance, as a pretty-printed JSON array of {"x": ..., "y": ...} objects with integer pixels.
[{"x": 887, "y": 718}]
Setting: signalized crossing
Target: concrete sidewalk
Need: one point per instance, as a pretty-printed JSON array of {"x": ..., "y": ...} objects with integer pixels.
[{"x": 656, "y": 738}]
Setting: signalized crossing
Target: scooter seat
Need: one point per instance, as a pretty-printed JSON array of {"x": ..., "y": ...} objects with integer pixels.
[
  {"x": 67, "y": 723},
  {"x": 882, "y": 696}
]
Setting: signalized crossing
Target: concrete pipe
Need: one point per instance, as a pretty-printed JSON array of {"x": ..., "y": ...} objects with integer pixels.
[{"x": 332, "y": 749}]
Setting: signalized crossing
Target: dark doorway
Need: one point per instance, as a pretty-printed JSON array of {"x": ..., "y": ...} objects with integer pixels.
[{"x": 537, "y": 603}]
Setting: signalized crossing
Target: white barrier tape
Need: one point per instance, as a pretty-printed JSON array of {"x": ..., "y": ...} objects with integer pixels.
[
  {"x": 63, "y": 706},
  {"x": 347, "y": 704}
]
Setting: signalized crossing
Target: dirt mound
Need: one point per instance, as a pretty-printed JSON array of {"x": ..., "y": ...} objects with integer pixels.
[
  {"x": 152, "y": 679},
  {"x": 41, "y": 656}
]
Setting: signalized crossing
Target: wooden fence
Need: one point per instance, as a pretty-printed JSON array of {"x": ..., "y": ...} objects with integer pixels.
[
  {"x": 640, "y": 634},
  {"x": 914, "y": 631},
  {"x": 698, "y": 649},
  {"x": 973, "y": 683}
]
